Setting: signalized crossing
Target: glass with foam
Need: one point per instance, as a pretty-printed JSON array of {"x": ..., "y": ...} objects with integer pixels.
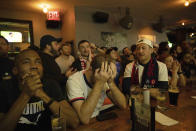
[{"x": 173, "y": 96}]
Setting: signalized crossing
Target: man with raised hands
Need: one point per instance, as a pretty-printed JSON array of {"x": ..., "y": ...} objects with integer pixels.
[{"x": 87, "y": 89}]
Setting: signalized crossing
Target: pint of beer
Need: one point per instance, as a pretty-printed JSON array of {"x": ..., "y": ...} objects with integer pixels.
[{"x": 173, "y": 96}]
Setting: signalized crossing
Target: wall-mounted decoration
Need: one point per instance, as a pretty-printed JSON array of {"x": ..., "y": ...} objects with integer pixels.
[
  {"x": 53, "y": 20},
  {"x": 114, "y": 39},
  {"x": 100, "y": 17},
  {"x": 127, "y": 21},
  {"x": 53, "y": 15}
]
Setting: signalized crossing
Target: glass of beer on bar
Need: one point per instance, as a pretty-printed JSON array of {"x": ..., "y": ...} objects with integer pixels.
[
  {"x": 162, "y": 100},
  {"x": 173, "y": 96}
]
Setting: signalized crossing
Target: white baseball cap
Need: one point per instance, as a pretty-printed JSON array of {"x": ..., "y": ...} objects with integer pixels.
[{"x": 146, "y": 41}]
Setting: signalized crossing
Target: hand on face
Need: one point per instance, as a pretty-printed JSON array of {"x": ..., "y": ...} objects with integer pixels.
[
  {"x": 70, "y": 72},
  {"x": 113, "y": 73},
  {"x": 180, "y": 68},
  {"x": 175, "y": 66},
  {"x": 90, "y": 56},
  {"x": 31, "y": 83},
  {"x": 103, "y": 74},
  {"x": 93, "y": 46}
]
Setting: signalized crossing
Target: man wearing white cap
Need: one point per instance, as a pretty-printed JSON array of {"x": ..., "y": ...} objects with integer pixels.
[{"x": 146, "y": 71}]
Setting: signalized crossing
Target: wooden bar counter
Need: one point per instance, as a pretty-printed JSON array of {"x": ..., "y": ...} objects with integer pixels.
[{"x": 185, "y": 113}]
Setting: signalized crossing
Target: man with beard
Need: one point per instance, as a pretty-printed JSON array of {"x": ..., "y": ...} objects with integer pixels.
[
  {"x": 6, "y": 64},
  {"x": 146, "y": 70},
  {"x": 28, "y": 101},
  {"x": 49, "y": 49},
  {"x": 65, "y": 60}
]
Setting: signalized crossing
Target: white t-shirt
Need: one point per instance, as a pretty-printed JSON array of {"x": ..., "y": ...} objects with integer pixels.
[
  {"x": 64, "y": 63},
  {"x": 79, "y": 89},
  {"x": 162, "y": 76}
]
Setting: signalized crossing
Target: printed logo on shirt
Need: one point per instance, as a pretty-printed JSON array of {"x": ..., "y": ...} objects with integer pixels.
[
  {"x": 147, "y": 82},
  {"x": 153, "y": 82},
  {"x": 32, "y": 113}
]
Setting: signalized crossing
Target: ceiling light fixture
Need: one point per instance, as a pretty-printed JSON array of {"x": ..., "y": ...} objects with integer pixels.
[
  {"x": 170, "y": 44},
  {"x": 45, "y": 10},
  {"x": 45, "y": 7},
  {"x": 192, "y": 34},
  {"x": 186, "y": 3},
  {"x": 183, "y": 23}
]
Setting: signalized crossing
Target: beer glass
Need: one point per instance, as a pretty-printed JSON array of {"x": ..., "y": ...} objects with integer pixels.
[{"x": 173, "y": 96}]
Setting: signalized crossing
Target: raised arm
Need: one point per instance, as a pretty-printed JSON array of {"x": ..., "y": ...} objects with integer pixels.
[
  {"x": 174, "y": 80},
  {"x": 85, "y": 108},
  {"x": 93, "y": 46},
  {"x": 115, "y": 94},
  {"x": 181, "y": 80}
]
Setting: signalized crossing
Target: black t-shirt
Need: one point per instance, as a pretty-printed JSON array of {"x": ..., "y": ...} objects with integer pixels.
[
  {"x": 189, "y": 69},
  {"x": 6, "y": 66},
  {"x": 35, "y": 115},
  {"x": 77, "y": 64},
  {"x": 52, "y": 70}
]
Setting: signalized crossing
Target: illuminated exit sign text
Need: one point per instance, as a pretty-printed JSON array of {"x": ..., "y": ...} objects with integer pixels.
[{"x": 53, "y": 15}]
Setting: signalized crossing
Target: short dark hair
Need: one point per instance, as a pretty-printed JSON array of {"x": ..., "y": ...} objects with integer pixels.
[
  {"x": 34, "y": 47},
  {"x": 103, "y": 47},
  {"x": 123, "y": 50},
  {"x": 111, "y": 49},
  {"x": 65, "y": 44},
  {"x": 133, "y": 48},
  {"x": 97, "y": 61},
  {"x": 162, "y": 50},
  {"x": 4, "y": 39},
  {"x": 163, "y": 44},
  {"x": 173, "y": 49},
  {"x": 82, "y": 41},
  {"x": 47, "y": 40}
]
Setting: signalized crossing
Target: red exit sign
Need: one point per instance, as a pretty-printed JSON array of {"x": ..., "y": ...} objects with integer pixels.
[{"x": 53, "y": 15}]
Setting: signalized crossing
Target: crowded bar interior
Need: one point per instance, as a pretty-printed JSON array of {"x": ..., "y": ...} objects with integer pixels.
[{"x": 97, "y": 65}]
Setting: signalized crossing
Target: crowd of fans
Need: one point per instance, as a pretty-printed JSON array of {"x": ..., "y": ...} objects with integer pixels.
[{"x": 50, "y": 80}]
